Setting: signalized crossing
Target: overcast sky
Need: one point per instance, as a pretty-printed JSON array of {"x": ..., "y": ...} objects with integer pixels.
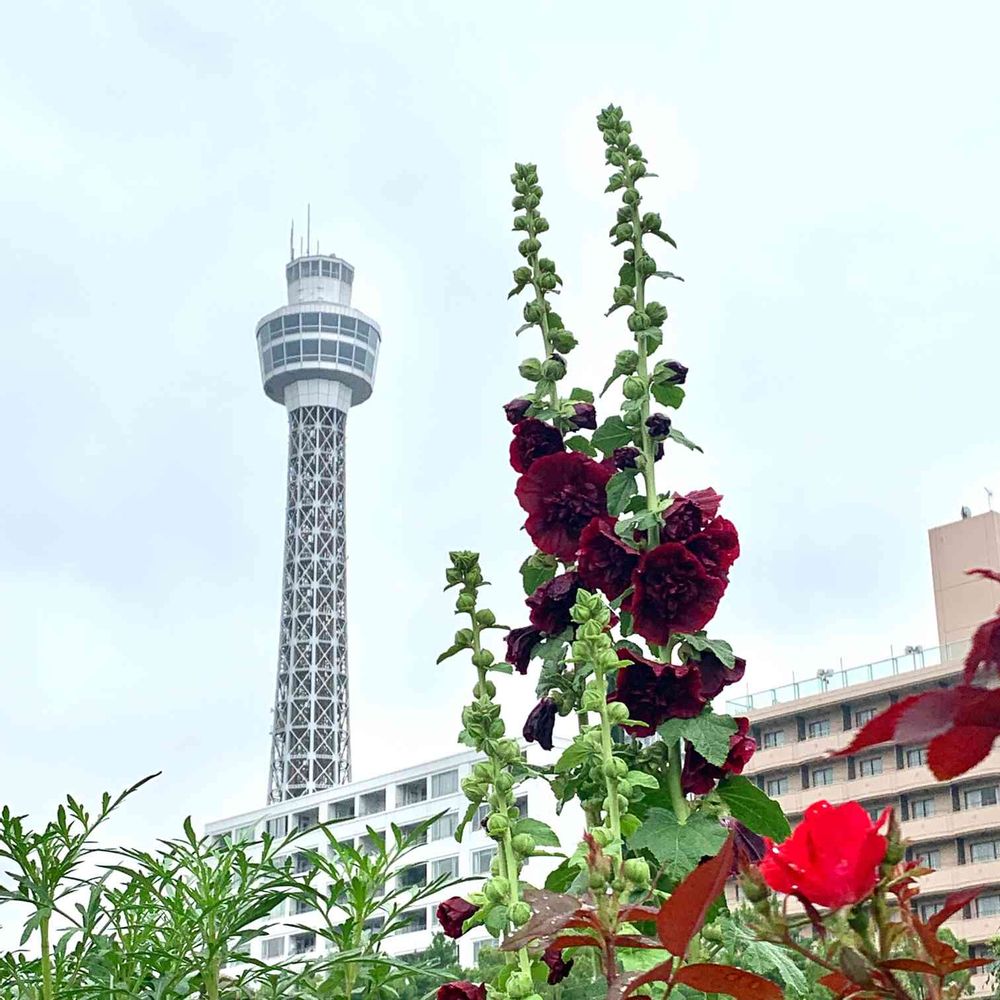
[{"x": 829, "y": 174}]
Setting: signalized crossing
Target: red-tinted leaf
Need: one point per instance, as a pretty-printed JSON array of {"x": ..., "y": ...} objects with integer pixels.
[
  {"x": 624, "y": 986},
  {"x": 574, "y": 941},
  {"x": 551, "y": 913},
  {"x": 881, "y": 729},
  {"x": 959, "y": 750},
  {"x": 909, "y": 965},
  {"x": 931, "y": 714},
  {"x": 952, "y": 904},
  {"x": 636, "y": 941},
  {"x": 971, "y": 963},
  {"x": 634, "y": 913},
  {"x": 682, "y": 915},
  {"x": 838, "y": 983},
  {"x": 725, "y": 979}
]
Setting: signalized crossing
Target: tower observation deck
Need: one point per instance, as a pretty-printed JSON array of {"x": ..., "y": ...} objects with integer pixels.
[{"x": 317, "y": 357}]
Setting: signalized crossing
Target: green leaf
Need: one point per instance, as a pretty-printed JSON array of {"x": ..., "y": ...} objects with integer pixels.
[
  {"x": 640, "y": 779},
  {"x": 582, "y": 395},
  {"x": 537, "y": 569},
  {"x": 576, "y": 753},
  {"x": 626, "y": 275},
  {"x": 543, "y": 833},
  {"x": 663, "y": 236},
  {"x": 700, "y": 642},
  {"x": 466, "y": 820},
  {"x": 667, "y": 274},
  {"x": 450, "y": 651},
  {"x": 621, "y": 486},
  {"x": 678, "y": 848},
  {"x": 651, "y": 338},
  {"x": 496, "y": 920},
  {"x": 500, "y": 668},
  {"x": 708, "y": 733},
  {"x": 629, "y": 824},
  {"x": 579, "y": 443},
  {"x": 610, "y": 435},
  {"x": 563, "y": 876},
  {"x": 676, "y": 435},
  {"x": 753, "y": 808},
  {"x": 666, "y": 394}
]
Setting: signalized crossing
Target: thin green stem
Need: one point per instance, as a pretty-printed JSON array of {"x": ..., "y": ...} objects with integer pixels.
[
  {"x": 509, "y": 862},
  {"x": 677, "y": 798},
  {"x": 607, "y": 760},
  {"x": 543, "y": 323},
  {"x": 46, "y": 957}
]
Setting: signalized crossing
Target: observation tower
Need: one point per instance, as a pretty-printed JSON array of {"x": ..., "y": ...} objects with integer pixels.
[{"x": 317, "y": 358}]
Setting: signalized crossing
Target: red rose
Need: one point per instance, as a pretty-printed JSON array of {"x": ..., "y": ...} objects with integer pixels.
[
  {"x": 832, "y": 857},
  {"x": 655, "y": 692},
  {"x": 533, "y": 439},
  {"x": 561, "y": 493},
  {"x": 453, "y": 913},
  {"x": 552, "y": 601},
  {"x": 673, "y": 593},
  {"x": 604, "y": 561},
  {"x": 699, "y": 776},
  {"x": 462, "y": 990}
]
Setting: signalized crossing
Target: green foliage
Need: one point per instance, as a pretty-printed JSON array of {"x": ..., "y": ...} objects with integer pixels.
[
  {"x": 708, "y": 733},
  {"x": 753, "y": 808},
  {"x": 678, "y": 847}
]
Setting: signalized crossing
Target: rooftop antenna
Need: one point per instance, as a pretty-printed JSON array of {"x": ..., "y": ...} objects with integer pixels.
[
  {"x": 308, "y": 227},
  {"x": 301, "y": 251},
  {"x": 989, "y": 497},
  {"x": 291, "y": 242}
]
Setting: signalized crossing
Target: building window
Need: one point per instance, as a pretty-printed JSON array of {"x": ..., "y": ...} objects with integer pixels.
[
  {"x": 481, "y": 860},
  {"x": 521, "y": 805},
  {"x": 373, "y": 924},
  {"x": 921, "y": 808},
  {"x": 929, "y": 858},
  {"x": 412, "y": 876},
  {"x": 976, "y": 797},
  {"x": 367, "y": 844},
  {"x": 306, "y": 820},
  {"x": 301, "y": 943},
  {"x": 818, "y": 728},
  {"x": 272, "y": 948},
  {"x": 917, "y": 757},
  {"x": 302, "y": 906},
  {"x": 478, "y": 946},
  {"x": 277, "y": 826},
  {"x": 869, "y": 767},
  {"x": 445, "y": 783},
  {"x": 927, "y": 910},
  {"x": 444, "y": 826},
  {"x": 822, "y": 776},
  {"x": 303, "y": 863},
  {"x": 479, "y": 819},
  {"x": 344, "y": 809},
  {"x": 774, "y": 738},
  {"x": 863, "y": 716},
  {"x": 409, "y": 830},
  {"x": 777, "y": 786},
  {"x": 988, "y": 906},
  {"x": 874, "y": 812},
  {"x": 985, "y": 850},
  {"x": 411, "y": 920},
  {"x": 443, "y": 867},
  {"x": 373, "y": 802},
  {"x": 411, "y": 793}
]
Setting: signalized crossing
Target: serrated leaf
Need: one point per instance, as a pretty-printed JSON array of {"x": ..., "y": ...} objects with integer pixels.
[
  {"x": 678, "y": 848},
  {"x": 575, "y": 754},
  {"x": 621, "y": 486},
  {"x": 650, "y": 339},
  {"x": 450, "y": 651},
  {"x": 666, "y": 394},
  {"x": 501, "y": 668},
  {"x": 700, "y": 642},
  {"x": 542, "y": 833},
  {"x": 579, "y": 443},
  {"x": 708, "y": 733},
  {"x": 563, "y": 875},
  {"x": 755, "y": 810},
  {"x": 581, "y": 395},
  {"x": 610, "y": 435},
  {"x": 537, "y": 569},
  {"x": 676, "y": 435}
]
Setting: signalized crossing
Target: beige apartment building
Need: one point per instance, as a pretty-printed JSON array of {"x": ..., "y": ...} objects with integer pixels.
[{"x": 954, "y": 827}]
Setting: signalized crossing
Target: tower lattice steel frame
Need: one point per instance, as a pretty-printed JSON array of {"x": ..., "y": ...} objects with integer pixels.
[{"x": 318, "y": 357}]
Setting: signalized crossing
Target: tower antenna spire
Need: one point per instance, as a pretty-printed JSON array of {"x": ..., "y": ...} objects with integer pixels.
[
  {"x": 291, "y": 243},
  {"x": 308, "y": 228}
]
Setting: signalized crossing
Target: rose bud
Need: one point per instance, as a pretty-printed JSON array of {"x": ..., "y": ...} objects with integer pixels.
[
  {"x": 658, "y": 425},
  {"x": 584, "y": 417},
  {"x": 516, "y": 410}
]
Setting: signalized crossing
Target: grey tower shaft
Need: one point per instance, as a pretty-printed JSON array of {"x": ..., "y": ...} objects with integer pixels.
[{"x": 318, "y": 356}]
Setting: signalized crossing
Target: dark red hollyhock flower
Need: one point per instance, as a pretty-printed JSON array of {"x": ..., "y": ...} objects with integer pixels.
[
  {"x": 584, "y": 417},
  {"x": 680, "y": 372},
  {"x": 462, "y": 989},
  {"x": 658, "y": 425},
  {"x": 748, "y": 847},
  {"x": 453, "y": 913},
  {"x": 624, "y": 457},
  {"x": 715, "y": 675},
  {"x": 561, "y": 493},
  {"x": 688, "y": 514},
  {"x": 655, "y": 692},
  {"x": 552, "y": 601},
  {"x": 558, "y": 967},
  {"x": 984, "y": 654},
  {"x": 673, "y": 593},
  {"x": 718, "y": 546},
  {"x": 538, "y": 725},
  {"x": 533, "y": 439},
  {"x": 516, "y": 410},
  {"x": 832, "y": 857},
  {"x": 604, "y": 561},
  {"x": 699, "y": 776},
  {"x": 520, "y": 643}
]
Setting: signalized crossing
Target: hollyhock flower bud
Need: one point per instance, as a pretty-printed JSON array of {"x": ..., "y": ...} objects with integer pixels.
[
  {"x": 553, "y": 368},
  {"x": 533, "y": 439},
  {"x": 625, "y": 457},
  {"x": 520, "y": 913},
  {"x": 562, "y": 341},
  {"x": 633, "y": 387},
  {"x": 520, "y": 643},
  {"x": 626, "y": 362},
  {"x": 832, "y": 857},
  {"x": 584, "y": 417},
  {"x": 552, "y": 602},
  {"x": 623, "y": 295},
  {"x": 675, "y": 372},
  {"x": 530, "y": 369},
  {"x": 516, "y": 410},
  {"x": 523, "y": 844},
  {"x": 453, "y": 913},
  {"x": 558, "y": 968},
  {"x": 462, "y": 989},
  {"x": 539, "y": 724},
  {"x": 658, "y": 425}
]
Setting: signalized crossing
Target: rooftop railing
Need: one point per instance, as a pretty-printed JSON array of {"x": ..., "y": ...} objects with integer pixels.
[{"x": 914, "y": 658}]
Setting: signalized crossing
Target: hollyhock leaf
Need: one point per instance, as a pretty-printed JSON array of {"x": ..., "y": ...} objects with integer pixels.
[
  {"x": 496, "y": 919},
  {"x": 579, "y": 443},
  {"x": 536, "y": 570},
  {"x": 501, "y": 668},
  {"x": 450, "y": 651},
  {"x": 666, "y": 394},
  {"x": 708, "y": 733},
  {"x": 629, "y": 824},
  {"x": 683, "y": 913},
  {"x": 621, "y": 486},
  {"x": 753, "y": 808},
  {"x": 676, "y": 435},
  {"x": 700, "y": 642},
  {"x": 678, "y": 848},
  {"x": 582, "y": 395},
  {"x": 542, "y": 833},
  {"x": 710, "y": 978},
  {"x": 610, "y": 435},
  {"x": 640, "y": 779},
  {"x": 576, "y": 753},
  {"x": 563, "y": 875},
  {"x": 466, "y": 820}
]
